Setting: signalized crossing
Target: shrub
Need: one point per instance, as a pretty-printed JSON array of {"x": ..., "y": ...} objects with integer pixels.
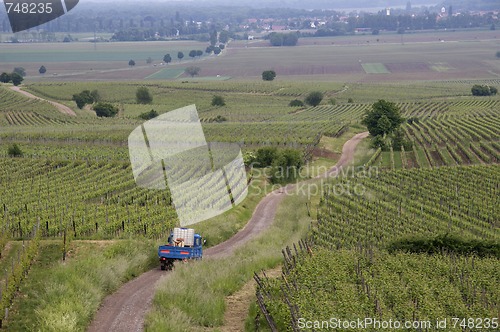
[
  {"x": 218, "y": 101},
  {"x": 268, "y": 75},
  {"x": 105, "y": 110},
  {"x": 85, "y": 97},
  {"x": 143, "y": 96},
  {"x": 149, "y": 115},
  {"x": 483, "y": 90},
  {"x": 14, "y": 151},
  {"x": 314, "y": 98},
  {"x": 296, "y": 103}
]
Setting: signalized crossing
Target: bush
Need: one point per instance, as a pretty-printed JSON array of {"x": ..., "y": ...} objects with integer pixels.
[
  {"x": 143, "y": 96},
  {"x": 5, "y": 77},
  {"x": 296, "y": 103},
  {"x": 85, "y": 97},
  {"x": 268, "y": 75},
  {"x": 16, "y": 78},
  {"x": 149, "y": 115},
  {"x": 265, "y": 156},
  {"x": 218, "y": 101},
  {"x": 131, "y": 63},
  {"x": 483, "y": 90},
  {"x": 42, "y": 70},
  {"x": 20, "y": 70},
  {"x": 105, "y": 110},
  {"x": 14, "y": 151},
  {"x": 192, "y": 70},
  {"x": 314, "y": 98}
]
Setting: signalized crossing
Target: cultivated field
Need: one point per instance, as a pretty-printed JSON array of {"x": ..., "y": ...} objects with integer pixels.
[{"x": 73, "y": 190}]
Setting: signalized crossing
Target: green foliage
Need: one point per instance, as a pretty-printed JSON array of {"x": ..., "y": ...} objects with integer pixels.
[
  {"x": 14, "y": 151},
  {"x": 314, "y": 98},
  {"x": 149, "y": 115},
  {"x": 5, "y": 77},
  {"x": 286, "y": 166},
  {"x": 192, "y": 71},
  {"x": 268, "y": 75},
  {"x": 483, "y": 90},
  {"x": 131, "y": 63},
  {"x": 218, "y": 101},
  {"x": 350, "y": 101},
  {"x": 265, "y": 156},
  {"x": 446, "y": 243},
  {"x": 180, "y": 55},
  {"x": 192, "y": 53},
  {"x": 296, "y": 103},
  {"x": 143, "y": 96},
  {"x": 383, "y": 118},
  {"x": 16, "y": 79},
  {"x": 105, "y": 110},
  {"x": 217, "y": 50},
  {"x": 20, "y": 70},
  {"x": 42, "y": 70},
  {"x": 85, "y": 97},
  {"x": 283, "y": 39},
  {"x": 167, "y": 58},
  {"x": 149, "y": 60}
]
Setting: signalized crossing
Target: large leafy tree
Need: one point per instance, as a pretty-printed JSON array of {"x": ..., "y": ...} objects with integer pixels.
[
  {"x": 314, "y": 98},
  {"x": 383, "y": 118}
]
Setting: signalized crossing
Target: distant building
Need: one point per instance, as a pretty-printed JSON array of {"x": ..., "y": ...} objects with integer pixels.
[{"x": 388, "y": 11}]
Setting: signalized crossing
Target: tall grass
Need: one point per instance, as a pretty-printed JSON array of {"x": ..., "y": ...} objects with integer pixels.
[
  {"x": 193, "y": 296},
  {"x": 61, "y": 296}
]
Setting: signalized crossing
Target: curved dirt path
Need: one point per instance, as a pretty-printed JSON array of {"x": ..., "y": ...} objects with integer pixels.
[
  {"x": 60, "y": 107},
  {"x": 125, "y": 309}
]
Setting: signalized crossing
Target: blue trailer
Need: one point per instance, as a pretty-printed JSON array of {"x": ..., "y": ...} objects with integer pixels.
[{"x": 183, "y": 244}]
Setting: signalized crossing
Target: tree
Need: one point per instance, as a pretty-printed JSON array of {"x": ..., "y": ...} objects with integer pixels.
[
  {"x": 493, "y": 27},
  {"x": 96, "y": 96},
  {"x": 42, "y": 70},
  {"x": 167, "y": 58},
  {"x": 217, "y": 50},
  {"x": 20, "y": 71},
  {"x": 143, "y": 96},
  {"x": 483, "y": 90},
  {"x": 131, "y": 63},
  {"x": 180, "y": 55},
  {"x": 14, "y": 151},
  {"x": 209, "y": 49},
  {"x": 213, "y": 37},
  {"x": 105, "y": 110},
  {"x": 5, "y": 78},
  {"x": 85, "y": 97},
  {"x": 268, "y": 75},
  {"x": 218, "y": 101},
  {"x": 16, "y": 78},
  {"x": 192, "y": 53},
  {"x": 383, "y": 118},
  {"x": 314, "y": 98},
  {"x": 149, "y": 60},
  {"x": 192, "y": 71},
  {"x": 283, "y": 39},
  {"x": 224, "y": 36},
  {"x": 199, "y": 52}
]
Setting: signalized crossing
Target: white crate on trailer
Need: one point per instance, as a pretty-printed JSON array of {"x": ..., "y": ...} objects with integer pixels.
[{"x": 184, "y": 233}]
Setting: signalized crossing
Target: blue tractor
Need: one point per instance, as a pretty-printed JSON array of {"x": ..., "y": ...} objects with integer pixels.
[{"x": 183, "y": 244}]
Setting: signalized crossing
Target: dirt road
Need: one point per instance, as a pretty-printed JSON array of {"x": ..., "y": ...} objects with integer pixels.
[
  {"x": 125, "y": 309},
  {"x": 60, "y": 107}
]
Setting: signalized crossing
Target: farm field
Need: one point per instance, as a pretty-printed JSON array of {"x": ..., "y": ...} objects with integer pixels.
[
  {"x": 73, "y": 189},
  {"x": 419, "y": 56},
  {"x": 354, "y": 231}
]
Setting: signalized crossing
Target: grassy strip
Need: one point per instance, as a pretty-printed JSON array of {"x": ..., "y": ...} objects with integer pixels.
[
  {"x": 193, "y": 296},
  {"x": 61, "y": 296}
]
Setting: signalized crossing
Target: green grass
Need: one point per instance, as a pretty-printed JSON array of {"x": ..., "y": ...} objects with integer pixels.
[
  {"x": 166, "y": 74},
  {"x": 63, "y": 296},
  {"x": 193, "y": 296},
  {"x": 375, "y": 68},
  {"x": 205, "y": 78}
]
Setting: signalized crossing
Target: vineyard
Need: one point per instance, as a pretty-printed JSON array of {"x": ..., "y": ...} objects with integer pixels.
[
  {"x": 447, "y": 134},
  {"x": 357, "y": 219}
]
